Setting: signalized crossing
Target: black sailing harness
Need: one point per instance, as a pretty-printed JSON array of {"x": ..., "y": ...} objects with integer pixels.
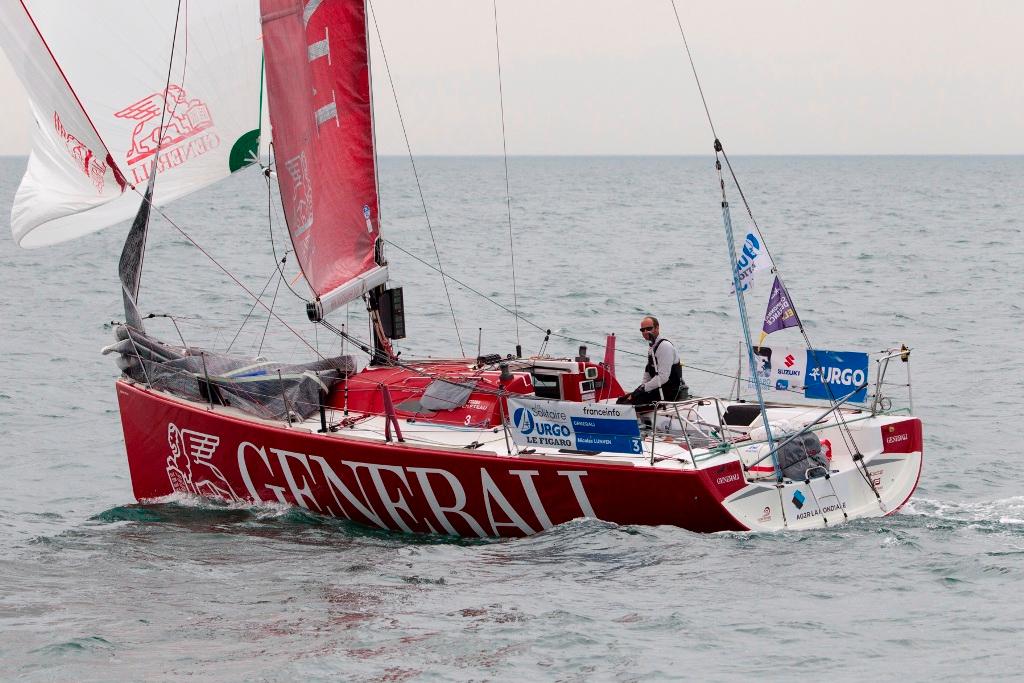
[{"x": 670, "y": 389}]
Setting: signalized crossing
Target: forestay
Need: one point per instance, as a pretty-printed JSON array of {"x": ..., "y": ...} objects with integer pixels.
[
  {"x": 318, "y": 87},
  {"x": 95, "y": 73}
]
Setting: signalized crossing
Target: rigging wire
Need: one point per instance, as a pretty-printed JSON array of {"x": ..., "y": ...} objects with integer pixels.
[
  {"x": 464, "y": 285},
  {"x": 251, "y": 309},
  {"x": 227, "y": 272},
  {"x": 266, "y": 327},
  {"x": 416, "y": 175},
  {"x": 160, "y": 134},
  {"x": 696, "y": 78},
  {"x": 588, "y": 342},
  {"x": 270, "y": 226},
  {"x": 508, "y": 194}
]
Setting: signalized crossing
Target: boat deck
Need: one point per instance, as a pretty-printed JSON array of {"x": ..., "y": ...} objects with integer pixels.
[{"x": 671, "y": 448}]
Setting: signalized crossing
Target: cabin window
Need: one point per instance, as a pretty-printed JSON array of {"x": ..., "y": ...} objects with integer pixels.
[{"x": 546, "y": 386}]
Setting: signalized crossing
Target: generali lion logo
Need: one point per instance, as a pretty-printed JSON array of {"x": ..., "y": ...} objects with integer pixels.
[
  {"x": 95, "y": 169},
  {"x": 189, "y": 465},
  {"x": 187, "y": 130}
]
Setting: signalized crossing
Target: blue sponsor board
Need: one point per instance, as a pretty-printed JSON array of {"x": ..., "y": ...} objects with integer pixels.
[
  {"x": 612, "y": 443},
  {"x": 834, "y": 374},
  {"x": 614, "y": 435},
  {"x": 600, "y": 425}
]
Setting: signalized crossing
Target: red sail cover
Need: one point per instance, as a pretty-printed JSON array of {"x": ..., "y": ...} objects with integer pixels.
[{"x": 318, "y": 87}]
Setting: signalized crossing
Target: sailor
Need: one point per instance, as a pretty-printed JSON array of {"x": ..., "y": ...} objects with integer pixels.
[{"x": 663, "y": 374}]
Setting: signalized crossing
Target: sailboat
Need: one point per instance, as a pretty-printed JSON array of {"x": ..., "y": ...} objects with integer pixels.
[{"x": 478, "y": 447}]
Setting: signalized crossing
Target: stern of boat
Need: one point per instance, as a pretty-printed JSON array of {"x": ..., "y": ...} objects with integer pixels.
[{"x": 876, "y": 484}]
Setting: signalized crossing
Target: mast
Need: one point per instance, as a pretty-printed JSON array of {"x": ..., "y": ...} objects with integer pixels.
[{"x": 382, "y": 351}]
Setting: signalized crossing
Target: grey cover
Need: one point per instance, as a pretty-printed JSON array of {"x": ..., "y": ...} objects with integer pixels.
[
  {"x": 442, "y": 395},
  {"x": 257, "y": 386},
  {"x": 801, "y": 453}
]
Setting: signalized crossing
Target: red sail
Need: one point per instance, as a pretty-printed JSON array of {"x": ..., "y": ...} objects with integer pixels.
[{"x": 318, "y": 87}]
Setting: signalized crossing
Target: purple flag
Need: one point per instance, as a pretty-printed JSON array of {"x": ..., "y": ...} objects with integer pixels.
[{"x": 781, "y": 313}]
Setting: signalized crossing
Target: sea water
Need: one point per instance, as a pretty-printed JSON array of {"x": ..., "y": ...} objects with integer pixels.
[{"x": 876, "y": 251}]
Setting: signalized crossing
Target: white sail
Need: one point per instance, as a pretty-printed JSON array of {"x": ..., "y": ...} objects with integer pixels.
[{"x": 95, "y": 73}]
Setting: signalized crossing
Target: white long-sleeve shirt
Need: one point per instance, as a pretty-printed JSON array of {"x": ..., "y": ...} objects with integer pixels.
[{"x": 664, "y": 358}]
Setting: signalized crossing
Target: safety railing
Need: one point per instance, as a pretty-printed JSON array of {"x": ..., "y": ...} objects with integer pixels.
[
  {"x": 881, "y": 403},
  {"x": 706, "y": 439},
  {"x": 695, "y": 430}
]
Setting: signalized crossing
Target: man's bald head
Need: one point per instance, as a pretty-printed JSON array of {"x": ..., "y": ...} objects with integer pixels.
[{"x": 649, "y": 328}]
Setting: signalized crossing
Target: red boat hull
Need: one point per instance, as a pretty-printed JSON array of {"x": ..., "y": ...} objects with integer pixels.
[{"x": 177, "y": 447}]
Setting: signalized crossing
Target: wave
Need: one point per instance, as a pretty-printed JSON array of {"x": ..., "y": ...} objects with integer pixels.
[{"x": 1008, "y": 511}]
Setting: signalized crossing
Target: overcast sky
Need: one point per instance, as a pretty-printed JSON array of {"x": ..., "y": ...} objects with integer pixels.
[{"x": 611, "y": 77}]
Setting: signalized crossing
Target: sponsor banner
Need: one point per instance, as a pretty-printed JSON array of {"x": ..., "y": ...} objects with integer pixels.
[
  {"x": 751, "y": 259},
  {"x": 780, "y": 368},
  {"x": 574, "y": 426},
  {"x": 834, "y": 374}
]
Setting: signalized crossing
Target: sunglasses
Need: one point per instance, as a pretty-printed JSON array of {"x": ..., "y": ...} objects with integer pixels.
[{"x": 647, "y": 329}]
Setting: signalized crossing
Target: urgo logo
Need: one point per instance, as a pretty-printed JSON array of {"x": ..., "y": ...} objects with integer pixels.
[{"x": 843, "y": 376}]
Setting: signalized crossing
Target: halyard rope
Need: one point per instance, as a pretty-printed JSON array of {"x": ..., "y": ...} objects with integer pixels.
[{"x": 416, "y": 175}]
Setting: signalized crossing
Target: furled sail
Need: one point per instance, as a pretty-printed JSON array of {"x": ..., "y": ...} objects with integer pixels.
[
  {"x": 96, "y": 72},
  {"x": 318, "y": 89}
]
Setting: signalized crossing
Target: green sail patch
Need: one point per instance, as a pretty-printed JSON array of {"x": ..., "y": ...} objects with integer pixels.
[{"x": 245, "y": 150}]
